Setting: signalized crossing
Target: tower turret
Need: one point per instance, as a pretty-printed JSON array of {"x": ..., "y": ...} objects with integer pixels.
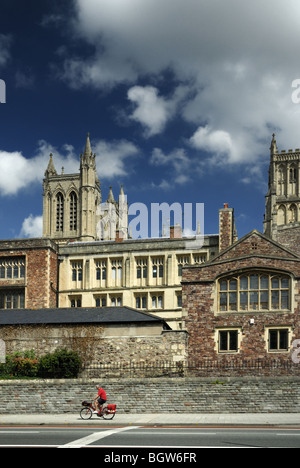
[{"x": 90, "y": 193}]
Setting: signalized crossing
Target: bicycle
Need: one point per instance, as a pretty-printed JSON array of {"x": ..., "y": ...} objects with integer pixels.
[{"x": 107, "y": 412}]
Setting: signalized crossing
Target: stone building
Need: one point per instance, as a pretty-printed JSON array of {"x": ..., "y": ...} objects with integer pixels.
[
  {"x": 245, "y": 302},
  {"x": 282, "y": 215},
  {"x": 143, "y": 274},
  {"x": 226, "y": 298},
  {"x": 87, "y": 259},
  {"x": 28, "y": 274},
  {"x": 112, "y": 335},
  {"x": 99, "y": 264}
]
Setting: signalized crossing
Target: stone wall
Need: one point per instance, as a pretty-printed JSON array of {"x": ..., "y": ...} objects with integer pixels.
[
  {"x": 98, "y": 343},
  {"x": 289, "y": 236},
  {"x": 181, "y": 395}
]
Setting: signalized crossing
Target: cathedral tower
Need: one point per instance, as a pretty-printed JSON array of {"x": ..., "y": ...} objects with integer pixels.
[
  {"x": 70, "y": 200},
  {"x": 282, "y": 214},
  {"x": 72, "y": 208},
  {"x": 90, "y": 193}
]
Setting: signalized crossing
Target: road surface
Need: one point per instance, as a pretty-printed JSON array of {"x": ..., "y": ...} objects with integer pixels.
[{"x": 180, "y": 439}]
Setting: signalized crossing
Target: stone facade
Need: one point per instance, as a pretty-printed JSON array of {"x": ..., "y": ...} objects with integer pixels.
[
  {"x": 143, "y": 274},
  {"x": 282, "y": 214},
  {"x": 28, "y": 274},
  {"x": 244, "y": 304}
]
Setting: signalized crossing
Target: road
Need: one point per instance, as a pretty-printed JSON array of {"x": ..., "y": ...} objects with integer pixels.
[{"x": 127, "y": 438}]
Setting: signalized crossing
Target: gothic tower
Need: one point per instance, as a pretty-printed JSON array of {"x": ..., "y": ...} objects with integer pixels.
[
  {"x": 282, "y": 213},
  {"x": 70, "y": 200},
  {"x": 72, "y": 208},
  {"x": 90, "y": 193}
]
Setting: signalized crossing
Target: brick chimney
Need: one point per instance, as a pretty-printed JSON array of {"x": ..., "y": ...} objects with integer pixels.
[
  {"x": 119, "y": 236},
  {"x": 175, "y": 232},
  {"x": 227, "y": 231}
]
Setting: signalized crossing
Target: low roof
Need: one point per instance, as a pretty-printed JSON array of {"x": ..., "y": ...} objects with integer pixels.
[{"x": 69, "y": 315}]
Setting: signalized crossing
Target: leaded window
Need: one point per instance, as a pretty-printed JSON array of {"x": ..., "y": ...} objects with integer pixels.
[
  {"x": 12, "y": 268},
  {"x": 256, "y": 291},
  {"x": 12, "y": 299}
]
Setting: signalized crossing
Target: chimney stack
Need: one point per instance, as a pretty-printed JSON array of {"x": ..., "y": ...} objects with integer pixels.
[
  {"x": 227, "y": 231},
  {"x": 175, "y": 232},
  {"x": 119, "y": 236}
]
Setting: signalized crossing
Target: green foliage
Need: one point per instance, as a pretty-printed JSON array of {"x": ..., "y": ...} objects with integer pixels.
[
  {"x": 58, "y": 365},
  {"x": 18, "y": 365}
]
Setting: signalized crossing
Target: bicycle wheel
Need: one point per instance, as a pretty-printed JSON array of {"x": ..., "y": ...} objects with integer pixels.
[
  {"x": 86, "y": 413},
  {"x": 107, "y": 415}
]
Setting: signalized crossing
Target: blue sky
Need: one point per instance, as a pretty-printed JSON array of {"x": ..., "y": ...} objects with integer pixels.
[{"x": 180, "y": 98}]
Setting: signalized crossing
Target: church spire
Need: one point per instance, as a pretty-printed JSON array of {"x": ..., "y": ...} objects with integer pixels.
[
  {"x": 273, "y": 147},
  {"x": 50, "y": 171},
  {"x": 88, "y": 159},
  {"x": 88, "y": 149},
  {"x": 110, "y": 198}
]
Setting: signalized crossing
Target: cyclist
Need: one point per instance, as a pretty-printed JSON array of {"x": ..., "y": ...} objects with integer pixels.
[{"x": 100, "y": 399}]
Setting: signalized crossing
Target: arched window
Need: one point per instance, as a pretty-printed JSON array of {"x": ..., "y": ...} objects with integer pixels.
[
  {"x": 255, "y": 291},
  {"x": 281, "y": 181},
  {"x": 293, "y": 179},
  {"x": 59, "y": 212},
  {"x": 293, "y": 218},
  {"x": 73, "y": 211}
]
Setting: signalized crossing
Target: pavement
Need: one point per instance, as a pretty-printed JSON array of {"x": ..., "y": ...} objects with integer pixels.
[{"x": 156, "y": 419}]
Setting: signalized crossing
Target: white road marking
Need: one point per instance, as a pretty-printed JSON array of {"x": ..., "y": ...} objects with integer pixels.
[{"x": 95, "y": 436}]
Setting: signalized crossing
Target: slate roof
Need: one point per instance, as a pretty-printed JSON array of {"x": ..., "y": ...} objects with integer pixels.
[{"x": 108, "y": 315}]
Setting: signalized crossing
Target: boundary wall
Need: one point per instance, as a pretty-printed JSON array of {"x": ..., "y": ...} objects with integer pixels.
[{"x": 155, "y": 395}]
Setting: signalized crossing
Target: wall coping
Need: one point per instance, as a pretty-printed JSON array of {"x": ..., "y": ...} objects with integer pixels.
[{"x": 155, "y": 380}]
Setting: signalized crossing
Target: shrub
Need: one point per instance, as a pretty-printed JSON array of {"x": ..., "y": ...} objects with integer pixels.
[
  {"x": 17, "y": 365},
  {"x": 60, "y": 364},
  {"x": 24, "y": 367}
]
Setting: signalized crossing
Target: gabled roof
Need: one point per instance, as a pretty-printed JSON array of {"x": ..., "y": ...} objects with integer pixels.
[
  {"x": 103, "y": 315},
  {"x": 246, "y": 247}
]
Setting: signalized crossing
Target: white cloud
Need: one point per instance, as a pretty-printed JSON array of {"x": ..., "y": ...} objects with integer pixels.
[
  {"x": 179, "y": 163},
  {"x": 113, "y": 157},
  {"x": 218, "y": 142},
  {"x": 13, "y": 172},
  {"x": 18, "y": 172},
  {"x": 239, "y": 58},
  {"x": 32, "y": 227},
  {"x": 151, "y": 110}
]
